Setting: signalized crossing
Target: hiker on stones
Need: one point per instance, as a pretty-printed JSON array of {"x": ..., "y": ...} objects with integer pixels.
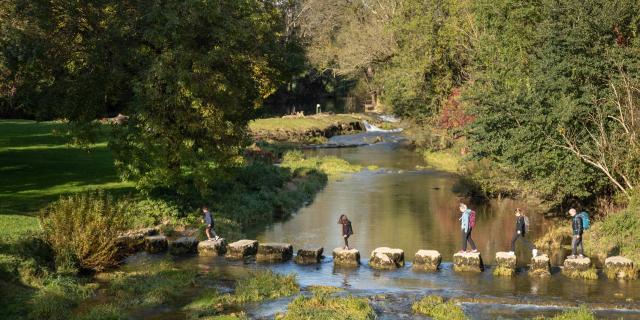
[
  {"x": 208, "y": 221},
  {"x": 347, "y": 230},
  {"x": 579, "y": 223},
  {"x": 522, "y": 227},
  {"x": 467, "y": 222}
]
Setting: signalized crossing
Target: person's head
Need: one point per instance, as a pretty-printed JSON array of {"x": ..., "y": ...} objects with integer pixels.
[
  {"x": 518, "y": 212},
  {"x": 205, "y": 208},
  {"x": 572, "y": 212},
  {"x": 463, "y": 207},
  {"x": 343, "y": 218}
]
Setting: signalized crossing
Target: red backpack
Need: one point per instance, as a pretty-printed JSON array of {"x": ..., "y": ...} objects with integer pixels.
[{"x": 472, "y": 219}]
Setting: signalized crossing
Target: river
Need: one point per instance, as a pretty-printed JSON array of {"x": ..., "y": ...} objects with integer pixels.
[{"x": 401, "y": 205}]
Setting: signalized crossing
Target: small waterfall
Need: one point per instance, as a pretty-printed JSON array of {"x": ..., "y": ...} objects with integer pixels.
[{"x": 371, "y": 128}]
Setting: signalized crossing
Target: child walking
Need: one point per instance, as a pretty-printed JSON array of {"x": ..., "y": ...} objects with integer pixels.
[
  {"x": 347, "y": 230},
  {"x": 521, "y": 229},
  {"x": 208, "y": 221},
  {"x": 467, "y": 222}
]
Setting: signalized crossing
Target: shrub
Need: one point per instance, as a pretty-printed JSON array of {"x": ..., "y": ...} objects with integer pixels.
[
  {"x": 436, "y": 308},
  {"x": 82, "y": 230}
]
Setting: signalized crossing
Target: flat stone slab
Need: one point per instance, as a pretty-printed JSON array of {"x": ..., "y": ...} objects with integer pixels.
[
  {"x": 579, "y": 268},
  {"x": 620, "y": 268},
  {"x": 427, "y": 260},
  {"x": 184, "y": 245},
  {"x": 346, "y": 258},
  {"x": 212, "y": 248},
  {"x": 155, "y": 244},
  {"x": 274, "y": 252},
  {"x": 242, "y": 248},
  {"x": 467, "y": 262},
  {"x": 540, "y": 266},
  {"x": 385, "y": 258},
  {"x": 133, "y": 241},
  {"x": 309, "y": 255},
  {"x": 505, "y": 264}
]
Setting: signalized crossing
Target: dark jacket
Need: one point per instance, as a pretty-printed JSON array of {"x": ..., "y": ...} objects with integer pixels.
[
  {"x": 347, "y": 230},
  {"x": 576, "y": 225},
  {"x": 521, "y": 225}
]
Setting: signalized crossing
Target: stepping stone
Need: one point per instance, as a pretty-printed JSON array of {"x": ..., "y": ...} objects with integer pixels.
[
  {"x": 427, "y": 260},
  {"x": 212, "y": 248},
  {"x": 620, "y": 268},
  {"x": 133, "y": 241},
  {"x": 467, "y": 262},
  {"x": 505, "y": 264},
  {"x": 155, "y": 244},
  {"x": 309, "y": 256},
  {"x": 184, "y": 245},
  {"x": 240, "y": 249},
  {"x": 346, "y": 258},
  {"x": 579, "y": 268},
  {"x": 385, "y": 258},
  {"x": 274, "y": 252},
  {"x": 540, "y": 266}
]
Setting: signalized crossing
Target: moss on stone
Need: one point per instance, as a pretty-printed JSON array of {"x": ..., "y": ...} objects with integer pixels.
[{"x": 503, "y": 271}]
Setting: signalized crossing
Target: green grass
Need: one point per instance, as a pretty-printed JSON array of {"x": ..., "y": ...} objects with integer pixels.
[
  {"x": 445, "y": 160},
  {"x": 323, "y": 307},
  {"x": 581, "y": 313},
  {"x": 333, "y": 167},
  {"x": 303, "y": 124},
  {"x": 37, "y": 166},
  {"x": 436, "y": 308}
]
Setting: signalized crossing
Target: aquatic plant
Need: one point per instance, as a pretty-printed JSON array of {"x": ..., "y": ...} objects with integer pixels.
[
  {"x": 503, "y": 271},
  {"x": 323, "y": 307},
  {"x": 334, "y": 167},
  {"x": 265, "y": 285},
  {"x": 589, "y": 274},
  {"x": 435, "y": 307},
  {"x": 324, "y": 290},
  {"x": 581, "y": 313}
]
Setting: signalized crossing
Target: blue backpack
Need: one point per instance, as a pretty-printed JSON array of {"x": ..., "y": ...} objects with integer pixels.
[{"x": 585, "y": 220}]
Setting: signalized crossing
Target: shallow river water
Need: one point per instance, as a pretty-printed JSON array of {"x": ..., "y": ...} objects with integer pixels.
[{"x": 400, "y": 206}]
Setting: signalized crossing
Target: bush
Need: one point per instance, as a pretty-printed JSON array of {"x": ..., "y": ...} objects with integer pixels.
[
  {"x": 148, "y": 212},
  {"x": 82, "y": 230},
  {"x": 436, "y": 308}
]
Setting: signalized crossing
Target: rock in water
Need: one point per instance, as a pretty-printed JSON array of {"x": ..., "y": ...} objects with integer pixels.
[
  {"x": 620, "y": 268},
  {"x": 505, "y": 264},
  {"x": 540, "y": 266},
  {"x": 427, "y": 260},
  {"x": 579, "y": 268},
  {"x": 309, "y": 256},
  {"x": 155, "y": 244},
  {"x": 212, "y": 248},
  {"x": 274, "y": 252},
  {"x": 133, "y": 241},
  {"x": 240, "y": 249},
  {"x": 386, "y": 258},
  {"x": 346, "y": 258},
  {"x": 184, "y": 245},
  {"x": 467, "y": 262}
]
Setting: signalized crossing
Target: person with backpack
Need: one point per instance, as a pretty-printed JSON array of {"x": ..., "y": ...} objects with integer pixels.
[
  {"x": 347, "y": 230},
  {"x": 522, "y": 227},
  {"x": 579, "y": 223},
  {"x": 467, "y": 223}
]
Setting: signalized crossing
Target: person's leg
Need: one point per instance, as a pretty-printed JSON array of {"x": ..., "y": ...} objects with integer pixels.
[
  {"x": 513, "y": 241},
  {"x": 213, "y": 231},
  {"x": 574, "y": 242},
  {"x": 473, "y": 245},
  {"x": 346, "y": 242},
  {"x": 581, "y": 248},
  {"x": 464, "y": 241},
  {"x": 528, "y": 243},
  {"x": 208, "y": 231}
]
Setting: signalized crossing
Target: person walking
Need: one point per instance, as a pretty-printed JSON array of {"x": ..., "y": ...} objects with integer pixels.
[
  {"x": 208, "y": 221},
  {"x": 578, "y": 229},
  {"x": 522, "y": 226},
  {"x": 467, "y": 222},
  {"x": 347, "y": 230}
]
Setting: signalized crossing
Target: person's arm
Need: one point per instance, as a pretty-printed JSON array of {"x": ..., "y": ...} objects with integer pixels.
[{"x": 580, "y": 230}]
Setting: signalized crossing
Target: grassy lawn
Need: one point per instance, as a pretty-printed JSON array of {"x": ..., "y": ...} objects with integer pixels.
[{"x": 37, "y": 166}]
